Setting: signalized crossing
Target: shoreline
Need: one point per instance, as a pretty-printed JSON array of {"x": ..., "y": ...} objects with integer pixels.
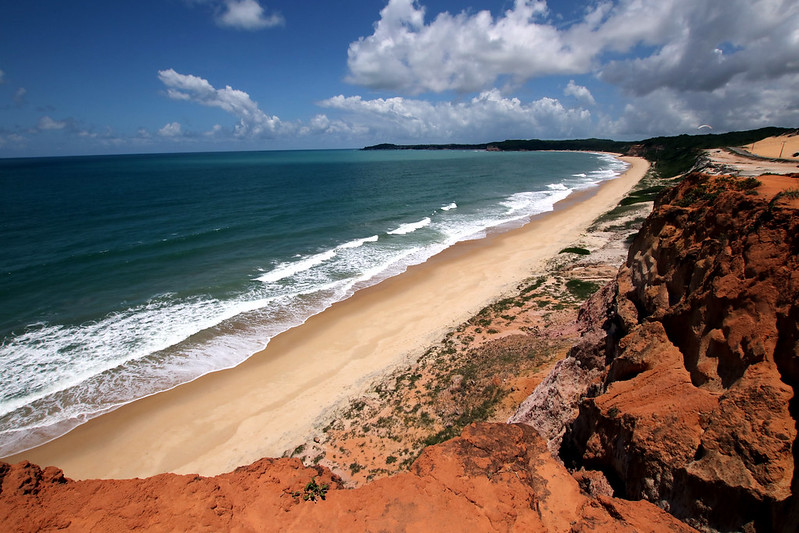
[{"x": 271, "y": 401}]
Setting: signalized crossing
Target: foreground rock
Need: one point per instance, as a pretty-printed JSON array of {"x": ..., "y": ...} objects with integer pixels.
[
  {"x": 683, "y": 391},
  {"x": 495, "y": 477}
]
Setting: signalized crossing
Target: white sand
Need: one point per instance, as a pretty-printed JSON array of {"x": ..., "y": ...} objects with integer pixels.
[{"x": 272, "y": 401}]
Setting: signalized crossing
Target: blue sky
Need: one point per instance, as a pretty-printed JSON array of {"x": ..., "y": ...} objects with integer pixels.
[{"x": 85, "y": 77}]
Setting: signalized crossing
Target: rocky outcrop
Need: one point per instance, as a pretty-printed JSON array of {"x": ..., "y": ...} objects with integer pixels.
[
  {"x": 495, "y": 477},
  {"x": 694, "y": 404}
]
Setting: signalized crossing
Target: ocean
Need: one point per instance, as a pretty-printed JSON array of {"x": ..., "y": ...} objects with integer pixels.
[{"x": 123, "y": 276}]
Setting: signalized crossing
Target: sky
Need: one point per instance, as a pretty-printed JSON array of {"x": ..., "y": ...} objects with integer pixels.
[{"x": 89, "y": 77}]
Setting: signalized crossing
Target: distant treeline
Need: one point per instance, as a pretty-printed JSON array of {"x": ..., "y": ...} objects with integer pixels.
[{"x": 670, "y": 155}]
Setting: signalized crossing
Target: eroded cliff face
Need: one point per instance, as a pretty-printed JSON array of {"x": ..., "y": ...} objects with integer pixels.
[
  {"x": 495, "y": 477},
  {"x": 690, "y": 362}
]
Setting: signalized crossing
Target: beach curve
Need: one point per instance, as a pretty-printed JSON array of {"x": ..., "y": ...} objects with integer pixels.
[{"x": 233, "y": 417}]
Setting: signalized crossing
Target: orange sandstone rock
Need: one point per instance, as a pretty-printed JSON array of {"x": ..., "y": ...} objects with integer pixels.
[
  {"x": 694, "y": 405},
  {"x": 495, "y": 477}
]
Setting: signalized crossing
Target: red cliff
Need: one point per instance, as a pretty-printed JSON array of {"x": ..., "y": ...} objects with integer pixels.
[{"x": 683, "y": 391}]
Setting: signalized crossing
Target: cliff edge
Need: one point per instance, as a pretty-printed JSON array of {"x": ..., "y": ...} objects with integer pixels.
[{"x": 682, "y": 391}]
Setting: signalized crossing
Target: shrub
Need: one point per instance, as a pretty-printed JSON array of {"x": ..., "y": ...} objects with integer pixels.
[
  {"x": 575, "y": 250},
  {"x": 312, "y": 491}
]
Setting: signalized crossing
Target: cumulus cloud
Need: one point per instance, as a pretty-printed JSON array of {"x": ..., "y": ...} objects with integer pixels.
[
  {"x": 688, "y": 45},
  {"x": 46, "y": 123},
  {"x": 172, "y": 129},
  {"x": 463, "y": 52},
  {"x": 487, "y": 114},
  {"x": 711, "y": 45},
  {"x": 252, "y": 121},
  {"x": 247, "y": 15},
  {"x": 754, "y": 104},
  {"x": 582, "y": 94},
  {"x": 678, "y": 63}
]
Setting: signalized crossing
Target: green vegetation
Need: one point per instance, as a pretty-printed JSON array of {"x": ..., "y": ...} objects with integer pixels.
[
  {"x": 479, "y": 413},
  {"x": 644, "y": 195},
  {"x": 312, "y": 491},
  {"x": 670, "y": 155},
  {"x": 793, "y": 194},
  {"x": 575, "y": 250},
  {"x": 581, "y": 290},
  {"x": 298, "y": 450}
]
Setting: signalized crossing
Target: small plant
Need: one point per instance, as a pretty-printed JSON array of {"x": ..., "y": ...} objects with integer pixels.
[
  {"x": 312, "y": 491},
  {"x": 355, "y": 468},
  {"x": 613, "y": 412},
  {"x": 391, "y": 459},
  {"x": 575, "y": 250}
]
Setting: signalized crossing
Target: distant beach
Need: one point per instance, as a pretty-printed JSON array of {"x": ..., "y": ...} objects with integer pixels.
[{"x": 275, "y": 398}]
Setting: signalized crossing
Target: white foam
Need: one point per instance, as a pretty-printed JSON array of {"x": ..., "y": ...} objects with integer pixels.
[
  {"x": 449, "y": 207},
  {"x": 285, "y": 270},
  {"x": 410, "y": 227},
  {"x": 50, "y": 359},
  {"x": 357, "y": 243}
]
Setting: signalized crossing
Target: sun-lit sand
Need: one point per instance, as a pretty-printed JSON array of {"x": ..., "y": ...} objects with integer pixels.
[
  {"x": 780, "y": 147},
  {"x": 273, "y": 400}
]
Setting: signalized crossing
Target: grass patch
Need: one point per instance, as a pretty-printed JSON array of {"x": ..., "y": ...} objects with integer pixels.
[
  {"x": 580, "y": 289},
  {"x": 647, "y": 194}
]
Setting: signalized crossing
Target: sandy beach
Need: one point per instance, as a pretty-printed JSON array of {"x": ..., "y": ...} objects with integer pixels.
[{"x": 275, "y": 399}]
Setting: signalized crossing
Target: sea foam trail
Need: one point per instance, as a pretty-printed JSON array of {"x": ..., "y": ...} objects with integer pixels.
[
  {"x": 357, "y": 243},
  {"x": 410, "y": 227},
  {"x": 285, "y": 270}
]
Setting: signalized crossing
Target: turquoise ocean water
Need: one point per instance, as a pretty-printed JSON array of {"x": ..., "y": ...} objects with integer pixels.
[{"x": 122, "y": 276}]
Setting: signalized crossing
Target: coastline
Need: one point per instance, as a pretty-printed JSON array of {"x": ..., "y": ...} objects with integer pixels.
[{"x": 263, "y": 406}]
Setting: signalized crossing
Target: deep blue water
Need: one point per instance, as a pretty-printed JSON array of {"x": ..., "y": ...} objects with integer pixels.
[{"x": 122, "y": 276}]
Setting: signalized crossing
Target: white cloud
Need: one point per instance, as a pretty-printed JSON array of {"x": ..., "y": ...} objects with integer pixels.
[
  {"x": 666, "y": 111},
  {"x": 463, "y": 52},
  {"x": 710, "y": 45},
  {"x": 213, "y": 131},
  {"x": 172, "y": 129},
  {"x": 46, "y": 123},
  {"x": 582, "y": 94},
  {"x": 678, "y": 63},
  {"x": 252, "y": 121},
  {"x": 247, "y": 15},
  {"x": 681, "y": 40},
  {"x": 486, "y": 116}
]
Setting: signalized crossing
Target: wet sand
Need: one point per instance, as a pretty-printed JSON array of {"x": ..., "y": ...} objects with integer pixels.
[{"x": 274, "y": 399}]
